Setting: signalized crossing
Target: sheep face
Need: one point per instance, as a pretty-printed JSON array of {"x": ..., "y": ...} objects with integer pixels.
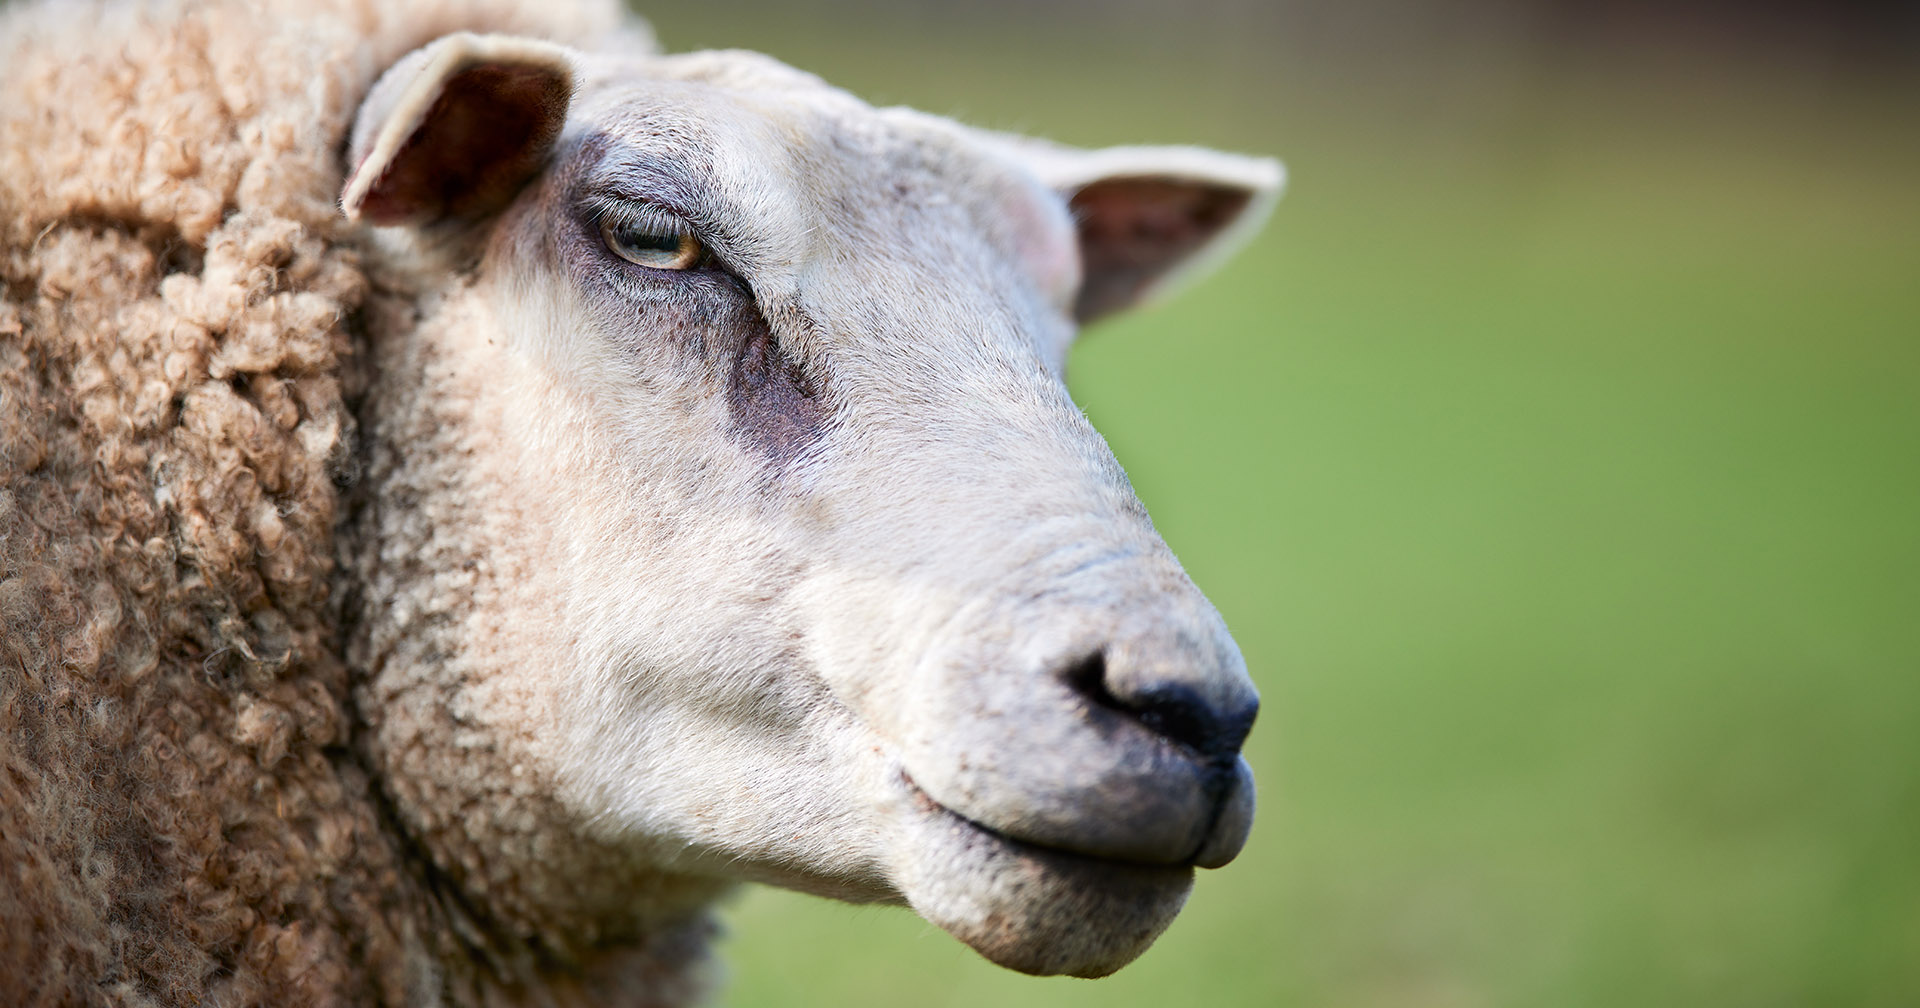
[{"x": 726, "y": 515}]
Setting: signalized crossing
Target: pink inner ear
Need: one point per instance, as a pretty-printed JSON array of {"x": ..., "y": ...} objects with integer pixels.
[
  {"x": 1044, "y": 239},
  {"x": 1134, "y": 230},
  {"x": 489, "y": 129}
]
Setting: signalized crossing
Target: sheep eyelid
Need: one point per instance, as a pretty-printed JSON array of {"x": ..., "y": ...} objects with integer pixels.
[{"x": 598, "y": 208}]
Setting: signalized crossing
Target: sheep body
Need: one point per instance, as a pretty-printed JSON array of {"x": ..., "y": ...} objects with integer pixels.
[
  {"x": 181, "y": 820},
  {"x": 448, "y": 611}
]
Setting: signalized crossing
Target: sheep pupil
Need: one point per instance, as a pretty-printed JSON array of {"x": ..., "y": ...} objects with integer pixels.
[{"x": 642, "y": 241}]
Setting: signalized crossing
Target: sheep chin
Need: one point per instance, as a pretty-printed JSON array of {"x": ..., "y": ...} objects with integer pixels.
[{"x": 1033, "y": 909}]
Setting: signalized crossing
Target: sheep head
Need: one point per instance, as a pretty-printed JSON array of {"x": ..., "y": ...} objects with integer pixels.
[{"x": 726, "y": 516}]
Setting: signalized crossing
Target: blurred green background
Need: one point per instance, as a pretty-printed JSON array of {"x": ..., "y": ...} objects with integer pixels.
[{"x": 1554, "y": 456}]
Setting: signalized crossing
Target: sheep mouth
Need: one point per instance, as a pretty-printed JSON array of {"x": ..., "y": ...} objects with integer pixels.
[{"x": 928, "y": 806}]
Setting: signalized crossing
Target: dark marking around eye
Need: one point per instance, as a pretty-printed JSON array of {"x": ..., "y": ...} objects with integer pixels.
[
  {"x": 775, "y": 405},
  {"x": 688, "y": 326}
]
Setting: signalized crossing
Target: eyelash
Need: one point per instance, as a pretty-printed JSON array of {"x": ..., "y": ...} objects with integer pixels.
[{"x": 603, "y": 211}]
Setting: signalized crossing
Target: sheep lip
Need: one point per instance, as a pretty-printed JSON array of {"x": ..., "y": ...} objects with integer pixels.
[
  {"x": 1034, "y": 909},
  {"x": 929, "y": 806}
]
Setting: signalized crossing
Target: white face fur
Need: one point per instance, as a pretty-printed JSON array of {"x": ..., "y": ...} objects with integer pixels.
[{"x": 727, "y": 500}]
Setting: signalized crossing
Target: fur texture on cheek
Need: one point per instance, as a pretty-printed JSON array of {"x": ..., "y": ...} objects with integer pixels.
[{"x": 685, "y": 725}]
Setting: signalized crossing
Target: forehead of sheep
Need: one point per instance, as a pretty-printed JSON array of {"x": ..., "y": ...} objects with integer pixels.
[{"x": 833, "y": 533}]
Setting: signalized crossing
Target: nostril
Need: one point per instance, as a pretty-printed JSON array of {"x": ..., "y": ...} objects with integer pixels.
[
  {"x": 1088, "y": 678},
  {"x": 1172, "y": 711}
]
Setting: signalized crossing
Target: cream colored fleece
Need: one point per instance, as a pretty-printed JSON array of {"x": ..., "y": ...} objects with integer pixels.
[{"x": 183, "y": 819}]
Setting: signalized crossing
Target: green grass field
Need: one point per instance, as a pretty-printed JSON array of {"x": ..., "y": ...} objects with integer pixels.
[{"x": 1560, "y": 479}]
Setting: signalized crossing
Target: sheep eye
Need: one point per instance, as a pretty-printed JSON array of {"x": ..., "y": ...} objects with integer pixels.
[{"x": 658, "y": 241}]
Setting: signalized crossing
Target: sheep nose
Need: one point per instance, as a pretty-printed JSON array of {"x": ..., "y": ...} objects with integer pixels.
[
  {"x": 1185, "y": 694},
  {"x": 1212, "y": 729},
  {"x": 1106, "y": 730}
]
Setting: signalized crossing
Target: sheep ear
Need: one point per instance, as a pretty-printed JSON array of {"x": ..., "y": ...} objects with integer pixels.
[
  {"x": 455, "y": 128},
  {"x": 1150, "y": 217}
]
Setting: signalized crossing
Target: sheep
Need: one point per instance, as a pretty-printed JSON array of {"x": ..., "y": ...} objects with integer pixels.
[{"x": 474, "y": 488}]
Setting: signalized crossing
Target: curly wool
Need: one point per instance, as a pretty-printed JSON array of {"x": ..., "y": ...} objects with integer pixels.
[{"x": 183, "y": 819}]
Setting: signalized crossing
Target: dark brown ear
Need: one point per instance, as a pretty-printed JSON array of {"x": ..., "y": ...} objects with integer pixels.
[
  {"x": 1136, "y": 231},
  {"x": 455, "y": 128},
  {"x": 1150, "y": 216}
]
